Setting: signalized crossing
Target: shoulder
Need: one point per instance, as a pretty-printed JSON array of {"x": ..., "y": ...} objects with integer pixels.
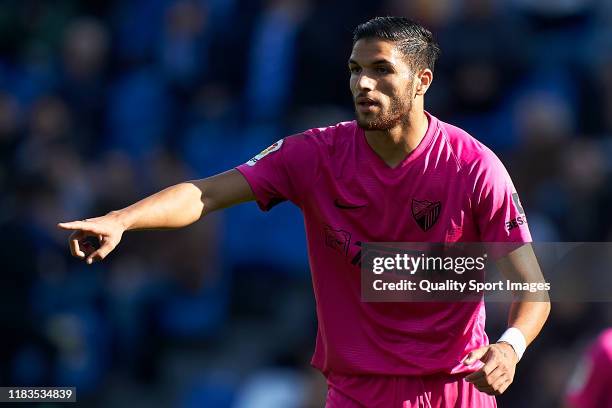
[
  {"x": 329, "y": 134},
  {"x": 326, "y": 138},
  {"x": 472, "y": 156}
]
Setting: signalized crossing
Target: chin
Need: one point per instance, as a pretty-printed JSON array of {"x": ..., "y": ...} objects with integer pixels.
[
  {"x": 373, "y": 126},
  {"x": 367, "y": 122},
  {"x": 367, "y": 125},
  {"x": 374, "y": 123}
]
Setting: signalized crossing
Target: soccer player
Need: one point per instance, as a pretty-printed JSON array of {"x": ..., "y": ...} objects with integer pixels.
[{"x": 396, "y": 174}]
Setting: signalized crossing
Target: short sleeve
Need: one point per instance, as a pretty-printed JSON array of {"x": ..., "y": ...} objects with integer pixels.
[
  {"x": 283, "y": 171},
  {"x": 498, "y": 211}
]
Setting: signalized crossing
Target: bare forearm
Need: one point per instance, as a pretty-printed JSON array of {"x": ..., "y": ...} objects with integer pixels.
[
  {"x": 529, "y": 311},
  {"x": 184, "y": 203},
  {"x": 528, "y": 317},
  {"x": 174, "y": 207}
]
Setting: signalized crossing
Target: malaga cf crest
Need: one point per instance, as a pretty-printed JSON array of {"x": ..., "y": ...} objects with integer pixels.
[{"x": 425, "y": 213}]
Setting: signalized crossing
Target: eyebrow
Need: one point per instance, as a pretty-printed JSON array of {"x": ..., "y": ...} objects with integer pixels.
[{"x": 377, "y": 62}]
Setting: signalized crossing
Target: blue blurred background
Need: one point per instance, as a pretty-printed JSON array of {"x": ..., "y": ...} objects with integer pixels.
[{"x": 104, "y": 102}]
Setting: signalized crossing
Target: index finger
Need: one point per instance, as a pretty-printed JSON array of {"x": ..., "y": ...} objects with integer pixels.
[{"x": 81, "y": 225}]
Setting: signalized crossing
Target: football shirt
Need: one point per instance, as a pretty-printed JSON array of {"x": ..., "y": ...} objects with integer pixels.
[{"x": 451, "y": 188}]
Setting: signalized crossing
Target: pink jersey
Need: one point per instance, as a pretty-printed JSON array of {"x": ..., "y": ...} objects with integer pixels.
[
  {"x": 591, "y": 383},
  {"x": 450, "y": 188}
]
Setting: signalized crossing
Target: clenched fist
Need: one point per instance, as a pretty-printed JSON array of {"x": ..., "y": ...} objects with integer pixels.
[{"x": 498, "y": 371}]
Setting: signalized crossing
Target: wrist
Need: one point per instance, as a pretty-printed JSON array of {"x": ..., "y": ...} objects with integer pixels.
[
  {"x": 121, "y": 218},
  {"x": 515, "y": 339},
  {"x": 511, "y": 351}
]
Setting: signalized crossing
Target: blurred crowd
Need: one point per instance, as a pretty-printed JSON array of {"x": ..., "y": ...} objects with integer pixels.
[{"x": 103, "y": 103}]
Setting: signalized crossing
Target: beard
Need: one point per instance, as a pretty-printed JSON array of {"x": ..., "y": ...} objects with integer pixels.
[{"x": 397, "y": 114}]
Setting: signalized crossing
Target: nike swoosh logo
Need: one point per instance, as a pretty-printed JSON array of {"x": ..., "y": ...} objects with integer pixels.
[{"x": 347, "y": 206}]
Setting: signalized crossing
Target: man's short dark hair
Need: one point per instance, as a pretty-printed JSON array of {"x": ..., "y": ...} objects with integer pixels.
[{"x": 413, "y": 40}]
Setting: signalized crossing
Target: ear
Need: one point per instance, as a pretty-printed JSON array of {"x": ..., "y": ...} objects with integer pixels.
[{"x": 423, "y": 81}]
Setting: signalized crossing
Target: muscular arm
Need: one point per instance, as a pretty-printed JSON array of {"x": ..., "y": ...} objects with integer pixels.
[{"x": 174, "y": 207}]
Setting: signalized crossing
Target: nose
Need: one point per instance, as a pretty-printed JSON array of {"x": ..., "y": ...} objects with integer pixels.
[{"x": 365, "y": 83}]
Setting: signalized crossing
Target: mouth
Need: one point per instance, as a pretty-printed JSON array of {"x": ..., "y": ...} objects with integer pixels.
[{"x": 366, "y": 104}]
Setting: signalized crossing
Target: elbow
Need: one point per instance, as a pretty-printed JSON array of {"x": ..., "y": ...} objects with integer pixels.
[
  {"x": 202, "y": 204},
  {"x": 192, "y": 204}
]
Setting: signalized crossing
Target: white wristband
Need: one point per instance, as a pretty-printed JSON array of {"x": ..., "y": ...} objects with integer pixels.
[{"x": 515, "y": 338}]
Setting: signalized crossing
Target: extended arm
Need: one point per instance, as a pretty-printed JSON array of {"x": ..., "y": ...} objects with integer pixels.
[{"x": 174, "y": 207}]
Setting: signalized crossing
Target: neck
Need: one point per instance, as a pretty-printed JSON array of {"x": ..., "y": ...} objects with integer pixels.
[{"x": 395, "y": 144}]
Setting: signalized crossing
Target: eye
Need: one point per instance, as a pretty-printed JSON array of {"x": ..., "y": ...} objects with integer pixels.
[
  {"x": 354, "y": 69},
  {"x": 382, "y": 70}
]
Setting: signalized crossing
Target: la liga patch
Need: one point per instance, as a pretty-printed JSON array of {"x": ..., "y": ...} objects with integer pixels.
[{"x": 274, "y": 147}]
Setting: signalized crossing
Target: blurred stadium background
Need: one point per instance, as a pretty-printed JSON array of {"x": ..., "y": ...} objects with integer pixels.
[{"x": 103, "y": 102}]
